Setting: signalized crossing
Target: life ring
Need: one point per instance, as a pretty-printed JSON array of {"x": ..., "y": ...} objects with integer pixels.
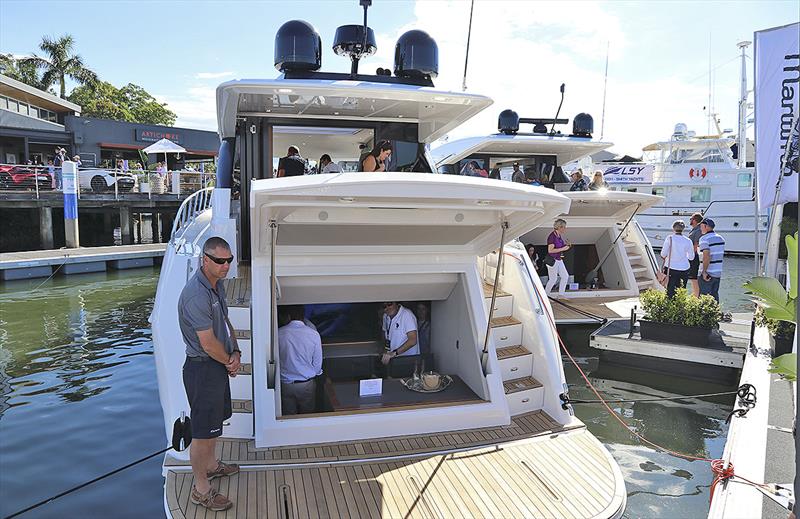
[{"x": 700, "y": 173}]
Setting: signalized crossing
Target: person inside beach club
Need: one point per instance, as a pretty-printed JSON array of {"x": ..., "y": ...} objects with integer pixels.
[{"x": 400, "y": 332}]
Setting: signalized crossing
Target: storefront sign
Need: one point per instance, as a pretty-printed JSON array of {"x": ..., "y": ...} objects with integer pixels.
[
  {"x": 627, "y": 174},
  {"x": 155, "y": 136}
]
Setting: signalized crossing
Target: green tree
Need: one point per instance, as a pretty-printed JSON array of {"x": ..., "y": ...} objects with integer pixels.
[
  {"x": 60, "y": 62},
  {"x": 145, "y": 108},
  {"x": 22, "y": 70},
  {"x": 130, "y": 103}
]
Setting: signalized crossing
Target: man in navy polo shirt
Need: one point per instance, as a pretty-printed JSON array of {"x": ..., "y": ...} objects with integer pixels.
[
  {"x": 212, "y": 356},
  {"x": 712, "y": 249}
]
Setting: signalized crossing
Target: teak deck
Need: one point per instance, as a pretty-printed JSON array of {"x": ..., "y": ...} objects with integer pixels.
[
  {"x": 237, "y": 290},
  {"x": 598, "y": 306},
  {"x": 244, "y": 451},
  {"x": 566, "y": 476}
]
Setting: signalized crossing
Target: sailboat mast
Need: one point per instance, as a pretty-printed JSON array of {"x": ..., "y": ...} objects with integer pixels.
[
  {"x": 605, "y": 84},
  {"x": 466, "y": 57}
]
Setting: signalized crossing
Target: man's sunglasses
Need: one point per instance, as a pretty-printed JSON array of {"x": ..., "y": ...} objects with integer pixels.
[{"x": 219, "y": 261}]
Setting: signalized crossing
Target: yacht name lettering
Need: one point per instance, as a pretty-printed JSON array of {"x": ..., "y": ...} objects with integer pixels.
[{"x": 788, "y": 92}]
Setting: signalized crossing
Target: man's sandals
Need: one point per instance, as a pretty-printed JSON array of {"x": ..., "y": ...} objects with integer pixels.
[{"x": 212, "y": 499}]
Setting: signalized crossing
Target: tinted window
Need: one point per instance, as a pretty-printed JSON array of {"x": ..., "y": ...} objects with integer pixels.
[{"x": 701, "y": 194}]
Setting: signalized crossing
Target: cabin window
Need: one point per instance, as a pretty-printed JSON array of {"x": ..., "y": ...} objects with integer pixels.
[
  {"x": 744, "y": 180},
  {"x": 659, "y": 191},
  {"x": 701, "y": 194},
  {"x": 4, "y": 102}
]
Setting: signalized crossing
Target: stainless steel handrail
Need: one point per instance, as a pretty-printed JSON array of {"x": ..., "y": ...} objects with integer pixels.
[{"x": 193, "y": 205}]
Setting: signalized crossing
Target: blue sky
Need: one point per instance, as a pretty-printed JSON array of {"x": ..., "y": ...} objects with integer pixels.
[{"x": 520, "y": 52}]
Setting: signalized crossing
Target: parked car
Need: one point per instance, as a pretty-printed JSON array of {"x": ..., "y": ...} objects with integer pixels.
[
  {"x": 24, "y": 177},
  {"x": 101, "y": 180}
]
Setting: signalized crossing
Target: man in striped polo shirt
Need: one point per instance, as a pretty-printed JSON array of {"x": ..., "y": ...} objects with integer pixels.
[{"x": 712, "y": 249}]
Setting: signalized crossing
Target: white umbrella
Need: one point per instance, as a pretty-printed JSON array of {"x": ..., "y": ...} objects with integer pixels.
[{"x": 164, "y": 146}]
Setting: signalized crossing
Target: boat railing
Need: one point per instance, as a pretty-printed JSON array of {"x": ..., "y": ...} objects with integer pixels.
[{"x": 192, "y": 206}]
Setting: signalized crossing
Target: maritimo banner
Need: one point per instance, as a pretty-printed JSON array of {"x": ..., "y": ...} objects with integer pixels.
[{"x": 777, "y": 89}]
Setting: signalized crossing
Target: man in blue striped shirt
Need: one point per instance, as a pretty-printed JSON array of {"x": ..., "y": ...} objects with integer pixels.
[{"x": 712, "y": 249}]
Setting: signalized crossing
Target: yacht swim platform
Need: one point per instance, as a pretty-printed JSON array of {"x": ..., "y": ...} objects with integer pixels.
[{"x": 451, "y": 480}]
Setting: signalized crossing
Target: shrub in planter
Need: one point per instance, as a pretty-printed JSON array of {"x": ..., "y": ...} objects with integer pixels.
[
  {"x": 782, "y": 332},
  {"x": 681, "y": 319}
]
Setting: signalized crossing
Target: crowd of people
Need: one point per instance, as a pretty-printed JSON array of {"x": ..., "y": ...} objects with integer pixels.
[
  {"x": 697, "y": 258},
  {"x": 294, "y": 164}
]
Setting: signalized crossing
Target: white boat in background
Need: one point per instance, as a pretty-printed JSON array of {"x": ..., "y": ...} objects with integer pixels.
[
  {"x": 699, "y": 175},
  {"x": 500, "y": 441},
  {"x": 611, "y": 261}
]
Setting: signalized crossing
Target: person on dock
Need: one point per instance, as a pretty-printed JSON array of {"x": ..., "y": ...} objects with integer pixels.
[
  {"x": 712, "y": 247},
  {"x": 300, "y": 350},
  {"x": 212, "y": 355},
  {"x": 678, "y": 252},
  {"x": 694, "y": 265},
  {"x": 556, "y": 246}
]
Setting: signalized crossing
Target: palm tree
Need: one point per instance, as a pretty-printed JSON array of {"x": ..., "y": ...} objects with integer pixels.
[{"x": 60, "y": 62}]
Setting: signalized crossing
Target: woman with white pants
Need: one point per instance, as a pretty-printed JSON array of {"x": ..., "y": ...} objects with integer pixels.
[{"x": 556, "y": 245}]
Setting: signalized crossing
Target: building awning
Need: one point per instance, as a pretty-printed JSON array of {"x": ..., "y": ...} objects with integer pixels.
[{"x": 120, "y": 146}]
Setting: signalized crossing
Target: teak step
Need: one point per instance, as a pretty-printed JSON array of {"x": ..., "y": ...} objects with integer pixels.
[
  {"x": 245, "y": 369},
  {"x": 520, "y": 384},
  {"x": 630, "y": 244},
  {"x": 487, "y": 290},
  {"x": 634, "y": 257},
  {"x": 504, "y": 321},
  {"x": 511, "y": 351},
  {"x": 242, "y": 334},
  {"x": 242, "y": 406}
]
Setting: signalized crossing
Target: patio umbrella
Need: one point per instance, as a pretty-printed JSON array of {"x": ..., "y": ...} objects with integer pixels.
[{"x": 164, "y": 146}]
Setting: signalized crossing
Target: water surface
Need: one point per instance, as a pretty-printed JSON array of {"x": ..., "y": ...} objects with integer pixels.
[{"x": 78, "y": 398}]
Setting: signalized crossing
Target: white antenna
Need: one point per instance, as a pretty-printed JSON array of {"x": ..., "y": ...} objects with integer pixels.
[
  {"x": 466, "y": 58},
  {"x": 710, "y": 110},
  {"x": 605, "y": 84}
]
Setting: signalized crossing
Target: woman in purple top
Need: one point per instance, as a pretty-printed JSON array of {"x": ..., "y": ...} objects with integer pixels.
[{"x": 556, "y": 245}]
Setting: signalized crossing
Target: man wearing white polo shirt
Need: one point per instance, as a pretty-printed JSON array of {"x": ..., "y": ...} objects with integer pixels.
[{"x": 400, "y": 332}]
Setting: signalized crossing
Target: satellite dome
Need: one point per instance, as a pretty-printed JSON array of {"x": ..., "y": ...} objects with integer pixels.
[
  {"x": 508, "y": 122},
  {"x": 416, "y": 55},
  {"x": 582, "y": 125},
  {"x": 297, "y": 47},
  {"x": 349, "y": 41},
  {"x": 681, "y": 129}
]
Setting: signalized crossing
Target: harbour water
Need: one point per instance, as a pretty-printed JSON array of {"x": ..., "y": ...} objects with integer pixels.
[{"x": 78, "y": 398}]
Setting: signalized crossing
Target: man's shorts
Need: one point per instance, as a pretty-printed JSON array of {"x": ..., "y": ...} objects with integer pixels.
[
  {"x": 694, "y": 266},
  {"x": 209, "y": 395}
]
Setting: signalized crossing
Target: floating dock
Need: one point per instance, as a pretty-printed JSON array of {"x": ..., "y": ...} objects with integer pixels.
[
  {"x": 45, "y": 263},
  {"x": 760, "y": 443},
  {"x": 721, "y": 360}
]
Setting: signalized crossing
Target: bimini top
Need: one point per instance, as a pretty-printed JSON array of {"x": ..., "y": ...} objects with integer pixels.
[
  {"x": 616, "y": 205},
  {"x": 692, "y": 143},
  {"x": 565, "y": 148},
  {"x": 436, "y": 111},
  {"x": 397, "y": 212}
]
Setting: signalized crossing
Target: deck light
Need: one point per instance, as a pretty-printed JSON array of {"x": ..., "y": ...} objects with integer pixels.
[{"x": 346, "y": 199}]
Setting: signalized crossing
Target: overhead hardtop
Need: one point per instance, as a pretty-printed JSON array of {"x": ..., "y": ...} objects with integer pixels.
[
  {"x": 608, "y": 204},
  {"x": 390, "y": 212},
  {"x": 689, "y": 144},
  {"x": 565, "y": 148},
  {"x": 435, "y": 111}
]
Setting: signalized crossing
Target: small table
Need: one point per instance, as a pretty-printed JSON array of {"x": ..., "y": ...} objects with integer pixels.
[{"x": 343, "y": 396}]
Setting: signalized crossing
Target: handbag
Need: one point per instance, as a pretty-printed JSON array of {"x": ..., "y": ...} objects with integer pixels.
[
  {"x": 549, "y": 260},
  {"x": 663, "y": 275}
]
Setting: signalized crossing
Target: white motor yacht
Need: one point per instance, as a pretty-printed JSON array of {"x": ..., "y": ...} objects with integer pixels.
[
  {"x": 495, "y": 438},
  {"x": 699, "y": 175},
  {"x": 611, "y": 260}
]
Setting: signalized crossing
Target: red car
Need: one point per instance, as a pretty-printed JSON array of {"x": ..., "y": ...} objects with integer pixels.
[{"x": 24, "y": 177}]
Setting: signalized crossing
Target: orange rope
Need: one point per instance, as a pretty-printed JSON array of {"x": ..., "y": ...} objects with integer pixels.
[{"x": 718, "y": 466}]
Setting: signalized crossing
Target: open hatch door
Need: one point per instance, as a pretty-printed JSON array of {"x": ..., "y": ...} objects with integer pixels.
[
  {"x": 616, "y": 205},
  {"x": 396, "y": 212}
]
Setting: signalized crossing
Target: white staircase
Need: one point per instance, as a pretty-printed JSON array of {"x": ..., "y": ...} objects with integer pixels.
[
  {"x": 523, "y": 392},
  {"x": 638, "y": 260},
  {"x": 240, "y": 425}
]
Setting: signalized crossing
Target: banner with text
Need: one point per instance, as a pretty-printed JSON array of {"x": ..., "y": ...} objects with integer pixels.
[
  {"x": 777, "y": 89},
  {"x": 626, "y": 173}
]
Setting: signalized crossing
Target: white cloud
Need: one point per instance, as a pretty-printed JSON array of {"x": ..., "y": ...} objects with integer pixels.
[
  {"x": 195, "y": 109},
  {"x": 213, "y": 75}
]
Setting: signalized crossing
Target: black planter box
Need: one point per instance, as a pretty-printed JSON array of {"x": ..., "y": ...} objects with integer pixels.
[
  {"x": 674, "y": 333},
  {"x": 782, "y": 346}
]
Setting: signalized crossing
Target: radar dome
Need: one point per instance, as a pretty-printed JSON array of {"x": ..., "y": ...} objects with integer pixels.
[
  {"x": 508, "y": 122},
  {"x": 583, "y": 125},
  {"x": 681, "y": 129},
  {"x": 416, "y": 55},
  {"x": 297, "y": 47}
]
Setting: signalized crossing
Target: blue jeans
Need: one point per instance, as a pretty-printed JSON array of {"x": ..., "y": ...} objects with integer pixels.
[{"x": 710, "y": 287}]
